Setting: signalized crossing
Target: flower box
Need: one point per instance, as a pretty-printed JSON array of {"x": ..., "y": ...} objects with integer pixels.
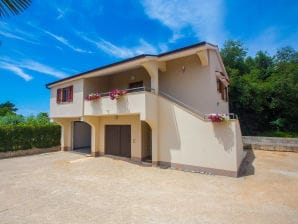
[
  {"x": 117, "y": 93},
  {"x": 217, "y": 118},
  {"x": 93, "y": 96}
]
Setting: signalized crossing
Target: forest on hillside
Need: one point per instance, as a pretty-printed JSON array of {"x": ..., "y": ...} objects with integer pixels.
[{"x": 263, "y": 89}]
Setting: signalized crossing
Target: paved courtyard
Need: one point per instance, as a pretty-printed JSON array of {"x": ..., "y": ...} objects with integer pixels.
[{"x": 65, "y": 187}]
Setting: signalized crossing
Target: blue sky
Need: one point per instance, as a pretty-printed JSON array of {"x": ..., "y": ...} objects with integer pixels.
[{"x": 56, "y": 39}]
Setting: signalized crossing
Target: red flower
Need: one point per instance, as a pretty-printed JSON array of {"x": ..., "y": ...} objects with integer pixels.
[
  {"x": 216, "y": 118},
  {"x": 116, "y": 93}
]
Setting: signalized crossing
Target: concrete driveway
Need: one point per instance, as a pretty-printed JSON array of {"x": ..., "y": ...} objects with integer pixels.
[{"x": 64, "y": 187}]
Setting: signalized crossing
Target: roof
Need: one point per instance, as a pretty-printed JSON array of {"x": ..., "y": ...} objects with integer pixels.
[{"x": 131, "y": 59}]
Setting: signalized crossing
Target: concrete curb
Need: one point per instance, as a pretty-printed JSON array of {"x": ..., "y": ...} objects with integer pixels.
[{"x": 27, "y": 152}]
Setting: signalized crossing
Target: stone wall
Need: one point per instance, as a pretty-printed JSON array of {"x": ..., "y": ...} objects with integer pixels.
[{"x": 271, "y": 143}]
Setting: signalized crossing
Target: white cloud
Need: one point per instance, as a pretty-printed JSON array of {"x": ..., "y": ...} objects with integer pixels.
[
  {"x": 18, "y": 71},
  {"x": 10, "y": 35},
  {"x": 61, "y": 13},
  {"x": 17, "y": 34},
  {"x": 122, "y": 52},
  {"x": 145, "y": 48},
  {"x": 204, "y": 18},
  {"x": 38, "y": 67},
  {"x": 66, "y": 43},
  {"x": 18, "y": 66}
]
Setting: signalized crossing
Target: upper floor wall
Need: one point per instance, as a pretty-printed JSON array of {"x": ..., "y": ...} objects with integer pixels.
[
  {"x": 189, "y": 78},
  {"x": 189, "y": 81},
  {"x": 65, "y": 108}
]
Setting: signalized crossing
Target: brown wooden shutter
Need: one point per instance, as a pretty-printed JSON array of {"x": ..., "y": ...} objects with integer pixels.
[
  {"x": 59, "y": 95},
  {"x": 218, "y": 85},
  {"x": 70, "y": 94},
  {"x": 226, "y": 94}
]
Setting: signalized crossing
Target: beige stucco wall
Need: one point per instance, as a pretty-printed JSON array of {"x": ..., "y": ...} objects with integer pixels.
[
  {"x": 185, "y": 139},
  {"x": 193, "y": 84},
  {"x": 239, "y": 143},
  {"x": 66, "y": 132},
  {"x": 73, "y": 109},
  {"x": 219, "y": 105}
]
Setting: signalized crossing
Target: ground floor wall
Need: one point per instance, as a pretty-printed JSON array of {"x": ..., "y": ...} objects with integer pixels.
[{"x": 183, "y": 140}]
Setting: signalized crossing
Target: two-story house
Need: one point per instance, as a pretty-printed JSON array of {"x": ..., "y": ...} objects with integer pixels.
[{"x": 162, "y": 117}]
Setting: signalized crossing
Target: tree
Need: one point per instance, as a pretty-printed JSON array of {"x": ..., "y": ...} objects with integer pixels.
[
  {"x": 13, "y": 7},
  {"x": 286, "y": 55},
  {"x": 233, "y": 54},
  {"x": 263, "y": 89},
  {"x": 7, "y": 108},
  {"x": 41, "y": 119},
  {"x": 263, "y": 62}
]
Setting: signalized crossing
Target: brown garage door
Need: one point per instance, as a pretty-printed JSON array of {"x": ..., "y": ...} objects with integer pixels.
[{"x": 118, "y": 140}]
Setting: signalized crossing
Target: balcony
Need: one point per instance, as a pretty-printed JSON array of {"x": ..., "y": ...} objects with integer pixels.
[{"x": 134, "y": 102}]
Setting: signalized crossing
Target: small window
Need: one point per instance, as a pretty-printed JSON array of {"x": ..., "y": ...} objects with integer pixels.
[
  {"x": 222, "y": 89},
  {"x": 65, "y": 95},
  {"x": 218, "y": 85},
  {"x": 226, "y": 94},
  {"x": 134, "y": 85}
]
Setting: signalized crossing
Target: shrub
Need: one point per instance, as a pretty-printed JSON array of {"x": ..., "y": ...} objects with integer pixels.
[{"x": 22, "y": 137}]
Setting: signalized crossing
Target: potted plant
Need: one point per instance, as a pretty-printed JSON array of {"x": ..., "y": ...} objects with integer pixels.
[
  {"x": 117, "y": 93},
  {"x": 217, "y": 118},
  {"x": 93, "y": 96}
]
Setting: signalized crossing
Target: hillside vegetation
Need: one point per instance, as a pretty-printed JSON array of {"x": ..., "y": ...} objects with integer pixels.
[{"x": 263, "y": 89}]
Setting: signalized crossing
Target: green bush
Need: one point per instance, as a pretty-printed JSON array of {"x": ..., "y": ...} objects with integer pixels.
[{"x": 22, "y": 137}]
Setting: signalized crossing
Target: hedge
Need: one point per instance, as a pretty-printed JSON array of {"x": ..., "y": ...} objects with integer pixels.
[{"x": 22, "y": 137}]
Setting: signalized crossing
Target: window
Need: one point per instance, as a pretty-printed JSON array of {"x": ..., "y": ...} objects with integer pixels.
[
  {"x": 225, "y": 98},
  {"x": 222, "y": 89},
  {"x": 134, "y": 85},
  {"x": 65, "y": 95}
]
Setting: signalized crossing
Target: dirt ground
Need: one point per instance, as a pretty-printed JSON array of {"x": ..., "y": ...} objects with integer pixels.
[{"x": 65, "y": 187}]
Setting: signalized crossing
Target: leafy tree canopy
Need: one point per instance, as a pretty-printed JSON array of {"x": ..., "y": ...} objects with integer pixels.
[
  {"x": 263, "y": 89},
  {"x": 7, "y": 108}
]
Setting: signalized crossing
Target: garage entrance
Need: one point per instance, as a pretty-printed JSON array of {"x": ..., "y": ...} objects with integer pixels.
[
  {"x": 81, "y": 137},
  {"x": 118, "y": 140}
]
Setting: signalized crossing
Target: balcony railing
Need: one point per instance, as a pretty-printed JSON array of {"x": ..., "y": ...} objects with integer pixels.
[{"x": 138, "y": 89}]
